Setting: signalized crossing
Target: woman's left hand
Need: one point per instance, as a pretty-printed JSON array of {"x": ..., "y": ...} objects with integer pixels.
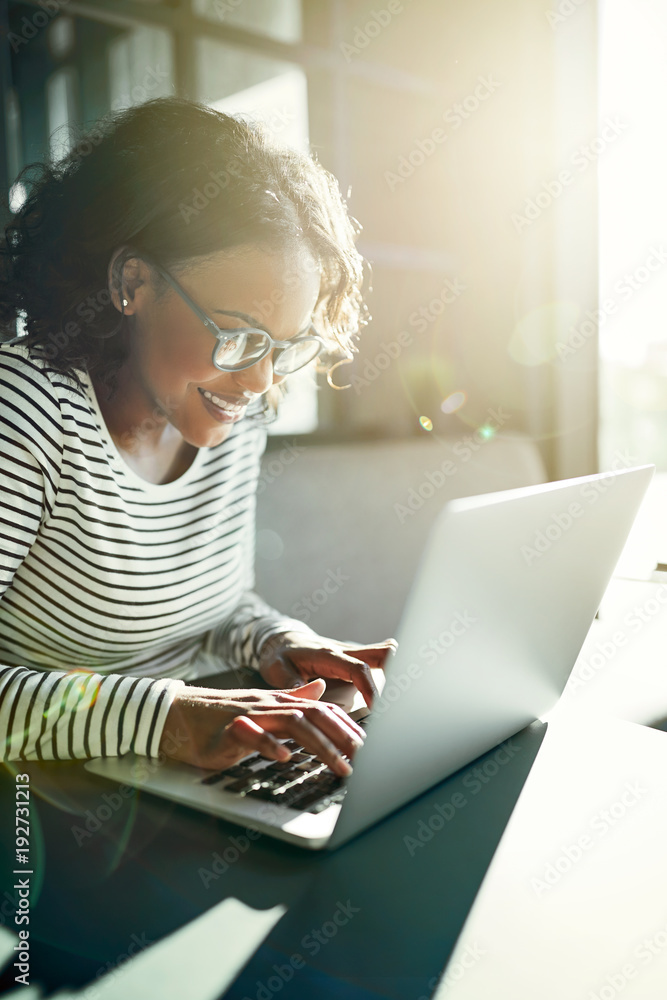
[{"x": 291, "y": 658}]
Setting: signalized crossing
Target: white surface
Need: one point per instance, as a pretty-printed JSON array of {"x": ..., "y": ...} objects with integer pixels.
[
  {"x": 622, "y": 668},
  {"x": 600, "y": 930},
  {"x": 490, "y": 631},
  {"x": 647, "y": 544},
  {"x": 558, "y": 928}
]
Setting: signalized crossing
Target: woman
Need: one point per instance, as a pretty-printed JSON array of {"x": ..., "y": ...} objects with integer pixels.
[{"x": 170, "y": 272}]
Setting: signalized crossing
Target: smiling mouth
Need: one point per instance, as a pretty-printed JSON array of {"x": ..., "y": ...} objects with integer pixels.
[{"x": 224, "y": 406}]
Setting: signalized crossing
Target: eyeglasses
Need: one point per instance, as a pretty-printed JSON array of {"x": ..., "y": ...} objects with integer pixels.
[{"x": 244, "y": 347}]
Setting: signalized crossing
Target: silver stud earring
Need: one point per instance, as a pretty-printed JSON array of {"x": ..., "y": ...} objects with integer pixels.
[{"x": 125, "y": 302}]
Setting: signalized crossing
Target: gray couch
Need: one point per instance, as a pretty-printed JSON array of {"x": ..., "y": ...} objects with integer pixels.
[{"x": 341, "y": 527}]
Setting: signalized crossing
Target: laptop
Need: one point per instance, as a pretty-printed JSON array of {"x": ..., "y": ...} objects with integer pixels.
[{"x": 505, "y": 593}]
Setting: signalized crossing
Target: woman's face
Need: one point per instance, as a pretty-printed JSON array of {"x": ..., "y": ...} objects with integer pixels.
[{"x": 170, "y": 362}]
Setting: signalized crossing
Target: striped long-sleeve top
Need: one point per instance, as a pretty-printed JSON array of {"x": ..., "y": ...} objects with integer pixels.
[{"x": 113, "y": 589}]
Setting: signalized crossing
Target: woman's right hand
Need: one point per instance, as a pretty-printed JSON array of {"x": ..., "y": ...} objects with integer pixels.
[{"x": 220, "y": 727}]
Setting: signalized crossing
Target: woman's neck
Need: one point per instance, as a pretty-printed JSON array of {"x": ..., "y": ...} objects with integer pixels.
[{"x": 147, "y": 442}]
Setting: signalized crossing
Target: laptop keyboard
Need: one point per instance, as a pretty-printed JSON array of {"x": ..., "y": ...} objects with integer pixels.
[{"x": 302, "y": 782}]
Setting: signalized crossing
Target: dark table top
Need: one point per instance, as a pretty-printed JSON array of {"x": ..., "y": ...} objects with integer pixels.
[{"x": 378, "y": 917}]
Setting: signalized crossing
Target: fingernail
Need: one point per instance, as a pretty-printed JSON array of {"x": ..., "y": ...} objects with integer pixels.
[{"x": 344, "y": 767}]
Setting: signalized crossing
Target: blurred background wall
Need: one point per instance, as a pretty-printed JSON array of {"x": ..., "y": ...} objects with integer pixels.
[
  {"x": 466, "y": 135},
  {"x": 506, "y": 162}
]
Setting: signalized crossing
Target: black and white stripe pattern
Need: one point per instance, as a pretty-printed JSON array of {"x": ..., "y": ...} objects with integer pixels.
[{"x": 112, "y": 588}]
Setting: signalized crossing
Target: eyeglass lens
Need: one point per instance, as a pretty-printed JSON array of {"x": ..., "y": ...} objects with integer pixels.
[{"x": 249, "y": 346}]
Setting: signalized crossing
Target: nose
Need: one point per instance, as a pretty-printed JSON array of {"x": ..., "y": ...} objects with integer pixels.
[{"x": 259, "y": 377}]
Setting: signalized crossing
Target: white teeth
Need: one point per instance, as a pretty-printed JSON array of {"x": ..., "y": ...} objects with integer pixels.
[{"x": 222, "y": 404}]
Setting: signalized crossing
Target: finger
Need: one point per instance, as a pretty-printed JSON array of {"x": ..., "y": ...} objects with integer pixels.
[
  {"x": 390, "y": 643},
  {"x": 362, "y": 677},
  {"x": 326, "y": 720},
  {"x": 281, "y": 674},
  {"x": 347, "y": 668},
  {"x": 337, "y": 665},
  {"x": 348, "y": 721},
  {"x": 325, "y": 739},
  {"x": 374, "y": 656},
  {"x": 293, "y": 723},
  {"x": 348, "y": 724},
  {"x": 242, "y": 736},
  {"x": 312, "y": 689}
]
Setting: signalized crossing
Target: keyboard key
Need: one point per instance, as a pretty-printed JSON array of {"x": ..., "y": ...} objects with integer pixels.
[
  {"x": 263, "y": 790},
  {"x": 278, "y": 767},
  {"x": 237, "y": 771},
  {"x": 242, "y": 785},
  {"x": 312, "y": 796},
  {"x": 288, "y": 798},
  {"x": 325, "y": 779},
  {"x": 322, "y": 804},
  {"x": 292, "y": 775},
  {"x": 255, "y": 766},
  {"x": 213, "y": 779},
  {"x": 318, "y": 807}
]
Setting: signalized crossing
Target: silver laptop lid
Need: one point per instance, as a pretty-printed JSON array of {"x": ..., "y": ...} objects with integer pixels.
[{"x": 506, "y": 591}]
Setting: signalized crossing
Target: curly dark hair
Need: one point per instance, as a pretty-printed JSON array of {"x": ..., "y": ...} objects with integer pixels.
[{"x": 174, "y": 180}]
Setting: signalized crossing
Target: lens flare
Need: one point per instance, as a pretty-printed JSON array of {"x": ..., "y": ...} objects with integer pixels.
[
  {"x": 537, "y": 337},
  {"x": 426, "y": 423},
  {"x": 486, "y": 432},
  {"x": 454, "y": 402}
]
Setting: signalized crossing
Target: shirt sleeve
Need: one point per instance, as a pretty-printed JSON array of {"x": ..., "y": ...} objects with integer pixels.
[
  {"x": 53, "y": 714},
  {"x": 57, "y": 715},
  {"x": 239, "y": 640}
]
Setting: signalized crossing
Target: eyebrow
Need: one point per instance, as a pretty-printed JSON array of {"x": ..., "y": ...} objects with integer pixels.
[
  {"x": 256, "y": 325},
  {"x": 250, "y": 320}
]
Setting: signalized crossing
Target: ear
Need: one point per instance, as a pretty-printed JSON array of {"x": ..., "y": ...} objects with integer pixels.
[{"x": 124, "y": 275}]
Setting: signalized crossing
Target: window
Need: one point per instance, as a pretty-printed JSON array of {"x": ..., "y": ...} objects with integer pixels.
[
  {"x": 141, "y": 66},
  {"x": 61, "y": 109},
  {"x": 633, "y": 219},
  {"x": 367, "y": 91},
  {"x": 279, "y": 19},
  {"x": 275, "y": 93}
]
